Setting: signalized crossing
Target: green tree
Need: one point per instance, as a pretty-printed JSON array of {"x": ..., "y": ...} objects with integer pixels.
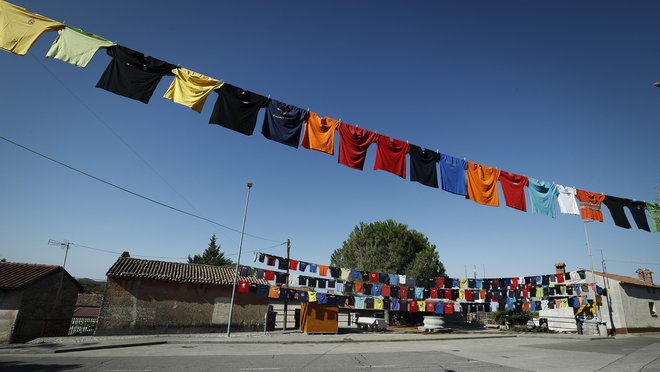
[
  {"x": 389, "y": 247},
  {"x": 211, "y": 256}
]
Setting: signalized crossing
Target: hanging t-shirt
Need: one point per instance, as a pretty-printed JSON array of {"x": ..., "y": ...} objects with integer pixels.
[
  {"x": 76, "y": 47},
  {"x": 282, "y": 263},
  {"x": 335, "y": 272},
  {"x": 423, "y": 166},
  {"x": 237, "y": 109},
  {"x": 566, "y": 200},
  {"x": 654, "y": 211},
  {"x": 359, "y": 302},
  {"x": 311, "y": 296},
  {"x": 274, "y": 292},
  {"x": 440, "y": 281},
  {"x": 321, "y": 298},
  {"x": 280, "y": 278},
  {"x": 559, "y": 277},
  {"x": 637, "y": 209},
  {"x": 378, "y": 303},
  {"x": 615, "y": 205},
  {"x": 262, "y": 290},
  {"x": 319, "y": 133},
  {"x": 323, "y": 270},
  {"x": 452, "y": 173},
  {"x": 386, "y": 290},
  {"x": 19, "y": 28},
  {"x": 283, "y": 123},
  {"x": 303, "y": 265},
  {"x": 449, "y": 308},
  {"x": 391, "y": 155},
  {"x": 482, "y": 184},
  {"x": 462, "y": 283},
  {"x": 269, "y": 275},
  {"x": 412, "y": 306},
  {"x": 411, "y": 281},
  {"x": 439, "y": 308},
  {"x": 293, "y": 264},
  {"x": 513, "y": 188},
  {"x": 353, "y": 145},
  {"x": 373, "y": 277},
  {"x": 542, "y": 195},
  {"x": 419, "y": 293},
  {"x": 190, "y": 88},
  {"x": 434, "y": 293},
  {"x": 376, "y": 289},
  {"x": 590, "y": 205},
  {"x": 243, "y": 286},
  {"x": 131, "y": 74},
  {"x": 345, "y": 274},
  {"x": 429, "y": 306},
  {"x": 313, "y": 267}
]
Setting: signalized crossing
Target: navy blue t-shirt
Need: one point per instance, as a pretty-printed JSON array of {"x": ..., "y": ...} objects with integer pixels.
[
  {"x": 452, "y": 172},
  {"x": 283, "y": 123}
]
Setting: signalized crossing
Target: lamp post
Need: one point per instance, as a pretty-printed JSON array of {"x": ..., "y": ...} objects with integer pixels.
[
  {"x": 238, "y": 260},
  {"x": 657, "y": 84}
]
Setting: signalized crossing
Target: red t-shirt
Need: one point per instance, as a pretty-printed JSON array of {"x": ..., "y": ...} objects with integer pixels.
[
  {"x": 449, "y": 307},
  {"x": 514, "y": 283},
  {"x": 403, "y": 292},
  {"x": 468, "y": 295},
  {"x": 269, "y": 275},
  {"x": 385, "y": 291},
  {"x": 293, "y": 264},
  {"x": 440, "y": 282},
  {"x": 434, "y": 292},
  {"x": 560, "y": 278},
  {"x": 513, "y": 188},
  {"x": 412, "y": 306},
  {"x": 353, "y": 145},
  {"x": 430, "y": 306},
  {"x": 391, "y": 155},
  {"x": 373, "y": 277},
  {"x": 448, "y": 294},
  {"x": 243, "y": 287}
]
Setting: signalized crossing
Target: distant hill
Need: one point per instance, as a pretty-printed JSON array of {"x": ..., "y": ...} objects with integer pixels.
[{"x": 91, "y": 285}]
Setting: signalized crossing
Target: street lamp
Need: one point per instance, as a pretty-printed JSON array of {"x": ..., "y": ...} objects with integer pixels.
[
  {"x": 238, "y": 260},
  {"x": 657, "y": 84}
]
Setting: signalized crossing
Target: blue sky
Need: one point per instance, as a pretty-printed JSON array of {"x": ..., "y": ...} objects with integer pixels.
[{"x": 559, "y": 91}]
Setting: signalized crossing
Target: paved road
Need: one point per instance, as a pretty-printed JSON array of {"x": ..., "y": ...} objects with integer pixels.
[{"x": 626, "y": 353}]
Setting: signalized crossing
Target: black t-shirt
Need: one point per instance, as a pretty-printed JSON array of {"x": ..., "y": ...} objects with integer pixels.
[
  {"x": 423, "y": 166},
  {"x": 394, "y": 291},
  {"x": 472, "y": 283},
  {"x": 280, "y": 278},
  {"x": 322, "y": 283},
  {"x": 637, "y": 209},
  {"x": 615, "y": 205},
  {"x": 387, "y": 303},
  {"x": 335, "y": 272},
  {"x": 348, "y": 287},
  {"x": 282, "y": 263},
  {"x": 366, "y": 288},
  {"x": 302, "y": 280},
  {"x": 237, "y": 109},
  {"x": 131, "y": 74},
  {"x": 369, "y": 303}
]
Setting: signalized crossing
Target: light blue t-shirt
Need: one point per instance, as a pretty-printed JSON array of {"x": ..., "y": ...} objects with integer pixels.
[
  {"x": 375, "y": 289},
  {"x": 419, "y": 293},
  {"x": 542, "y": 194},
  {"x": 479, "y": 283},
  {"x": 394, "y": 279},
  {"x": 359, "y": 302},
  {"x": 452, "y": 172},
  {"x": 312, "y": 267}
]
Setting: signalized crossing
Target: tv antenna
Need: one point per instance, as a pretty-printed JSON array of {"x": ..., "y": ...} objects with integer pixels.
[{"x": 62, "y": 244}]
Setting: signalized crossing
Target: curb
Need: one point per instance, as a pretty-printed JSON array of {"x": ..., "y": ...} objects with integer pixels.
[
  {"x": 114, "y": 346},
  {"x": 349, "y": 340}
]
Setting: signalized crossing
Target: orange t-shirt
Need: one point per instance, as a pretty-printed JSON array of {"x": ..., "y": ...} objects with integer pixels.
[
  {"x": 482, "y": 184},
  {"x": 320, "y": 133},
  {"x": 358, "y": 287},
  {"x": 323, "y": 270},
  {"x": 590, "y": 205},
  {"x": 274, "y": 292}
]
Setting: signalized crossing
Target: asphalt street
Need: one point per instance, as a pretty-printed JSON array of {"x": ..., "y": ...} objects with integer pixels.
[{"x": 625, "y": 353}]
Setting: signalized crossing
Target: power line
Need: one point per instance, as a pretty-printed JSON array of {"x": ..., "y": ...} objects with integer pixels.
[
  {"x": 134, "y": 193},
  {"x": 634, "y": 262},
  {"x": 95, "y": 115}
]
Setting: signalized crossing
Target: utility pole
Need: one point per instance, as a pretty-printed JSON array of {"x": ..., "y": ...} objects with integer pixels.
[
  {"x": 591, "y": 261},
  {"x": 609, "y": 300},
  {"x": 286, "y": 285},
  {"x": 65, "y": 245},
  {"x": 238, "y": 261}
]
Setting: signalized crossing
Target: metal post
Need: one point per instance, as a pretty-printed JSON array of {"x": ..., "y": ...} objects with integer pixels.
[
  {"x": 238, "y": 260},
  {"x": 609, "y": 301},
  {"x": 591, "y": 261},
  {"x": 66, "y": 253},
  {"x": 286, "y": 285}
]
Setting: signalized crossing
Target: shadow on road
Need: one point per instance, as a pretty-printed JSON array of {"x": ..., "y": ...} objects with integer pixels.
[{"x": 25, "y": 367}]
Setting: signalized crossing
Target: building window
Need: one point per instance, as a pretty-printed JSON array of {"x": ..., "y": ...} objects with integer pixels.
[{"x": 652, "y": 309}]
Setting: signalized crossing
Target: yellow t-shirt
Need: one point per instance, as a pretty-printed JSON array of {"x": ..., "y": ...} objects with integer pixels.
[
  {"x": 462, "y": 282},
  {"x": 482, "y": 184},
  {"x": 461, "y": 294},
  {"x": 311, "y": 296},
  {"x": 76, "y": 47},
  {"x": 421, "y": 306},
  {"x": 190, "y": 88},
  {"x": 320, "y": 133},
  {"x": 378, "y": 303},
  {"x": 19, "y": 29}
]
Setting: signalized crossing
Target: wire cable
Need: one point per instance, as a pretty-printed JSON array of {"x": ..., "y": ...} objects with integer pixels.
[{"x": 134, "y": 193}]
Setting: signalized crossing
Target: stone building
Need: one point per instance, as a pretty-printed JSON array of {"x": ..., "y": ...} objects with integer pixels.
[
  {"x": 635, "y": 302},
  {"x": 35, "y": 301},
  {"x": 149, "y": 297}
]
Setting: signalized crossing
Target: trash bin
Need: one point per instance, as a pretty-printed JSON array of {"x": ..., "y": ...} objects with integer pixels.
[{"x": 270, "y": 320}]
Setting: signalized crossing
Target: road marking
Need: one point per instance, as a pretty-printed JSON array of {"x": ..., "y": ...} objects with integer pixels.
[
  {"x": 127, "y": 370},
  {"x": 260, "y": 369},
  {"x": 382, "y": 366}
]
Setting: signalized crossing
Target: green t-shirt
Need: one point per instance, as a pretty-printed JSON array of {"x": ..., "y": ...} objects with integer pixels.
[
  {"x": 76, "y": 46},
  {"x": 654, "y": 211}
]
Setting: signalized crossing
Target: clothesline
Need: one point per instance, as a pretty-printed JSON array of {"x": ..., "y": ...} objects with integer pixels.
[{"x": 134, "y": 75}]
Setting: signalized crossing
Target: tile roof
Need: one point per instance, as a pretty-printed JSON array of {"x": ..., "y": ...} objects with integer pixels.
[
  {"x": 627, "y": 279},
  {"x": 129, "y": 267},
  {"x": 15, "y": 275}
]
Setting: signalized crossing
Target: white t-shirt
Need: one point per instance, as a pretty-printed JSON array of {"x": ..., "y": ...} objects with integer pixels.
[{"x": 566, "y": 199}]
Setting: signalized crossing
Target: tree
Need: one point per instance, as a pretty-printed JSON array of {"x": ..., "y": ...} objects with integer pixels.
[
  {"x": 211, "y": 256},
  {"x": 388, "y": 247}
]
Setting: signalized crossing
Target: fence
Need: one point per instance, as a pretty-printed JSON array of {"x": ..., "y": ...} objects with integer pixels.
[{"x": 83, "y": 325}]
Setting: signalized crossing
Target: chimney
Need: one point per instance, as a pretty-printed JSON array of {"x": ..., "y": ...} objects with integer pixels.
[
  {"x": 125, "y": 254},
  {"x": 560, "y": 268},
  {"x": 645, "y": 275}
]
